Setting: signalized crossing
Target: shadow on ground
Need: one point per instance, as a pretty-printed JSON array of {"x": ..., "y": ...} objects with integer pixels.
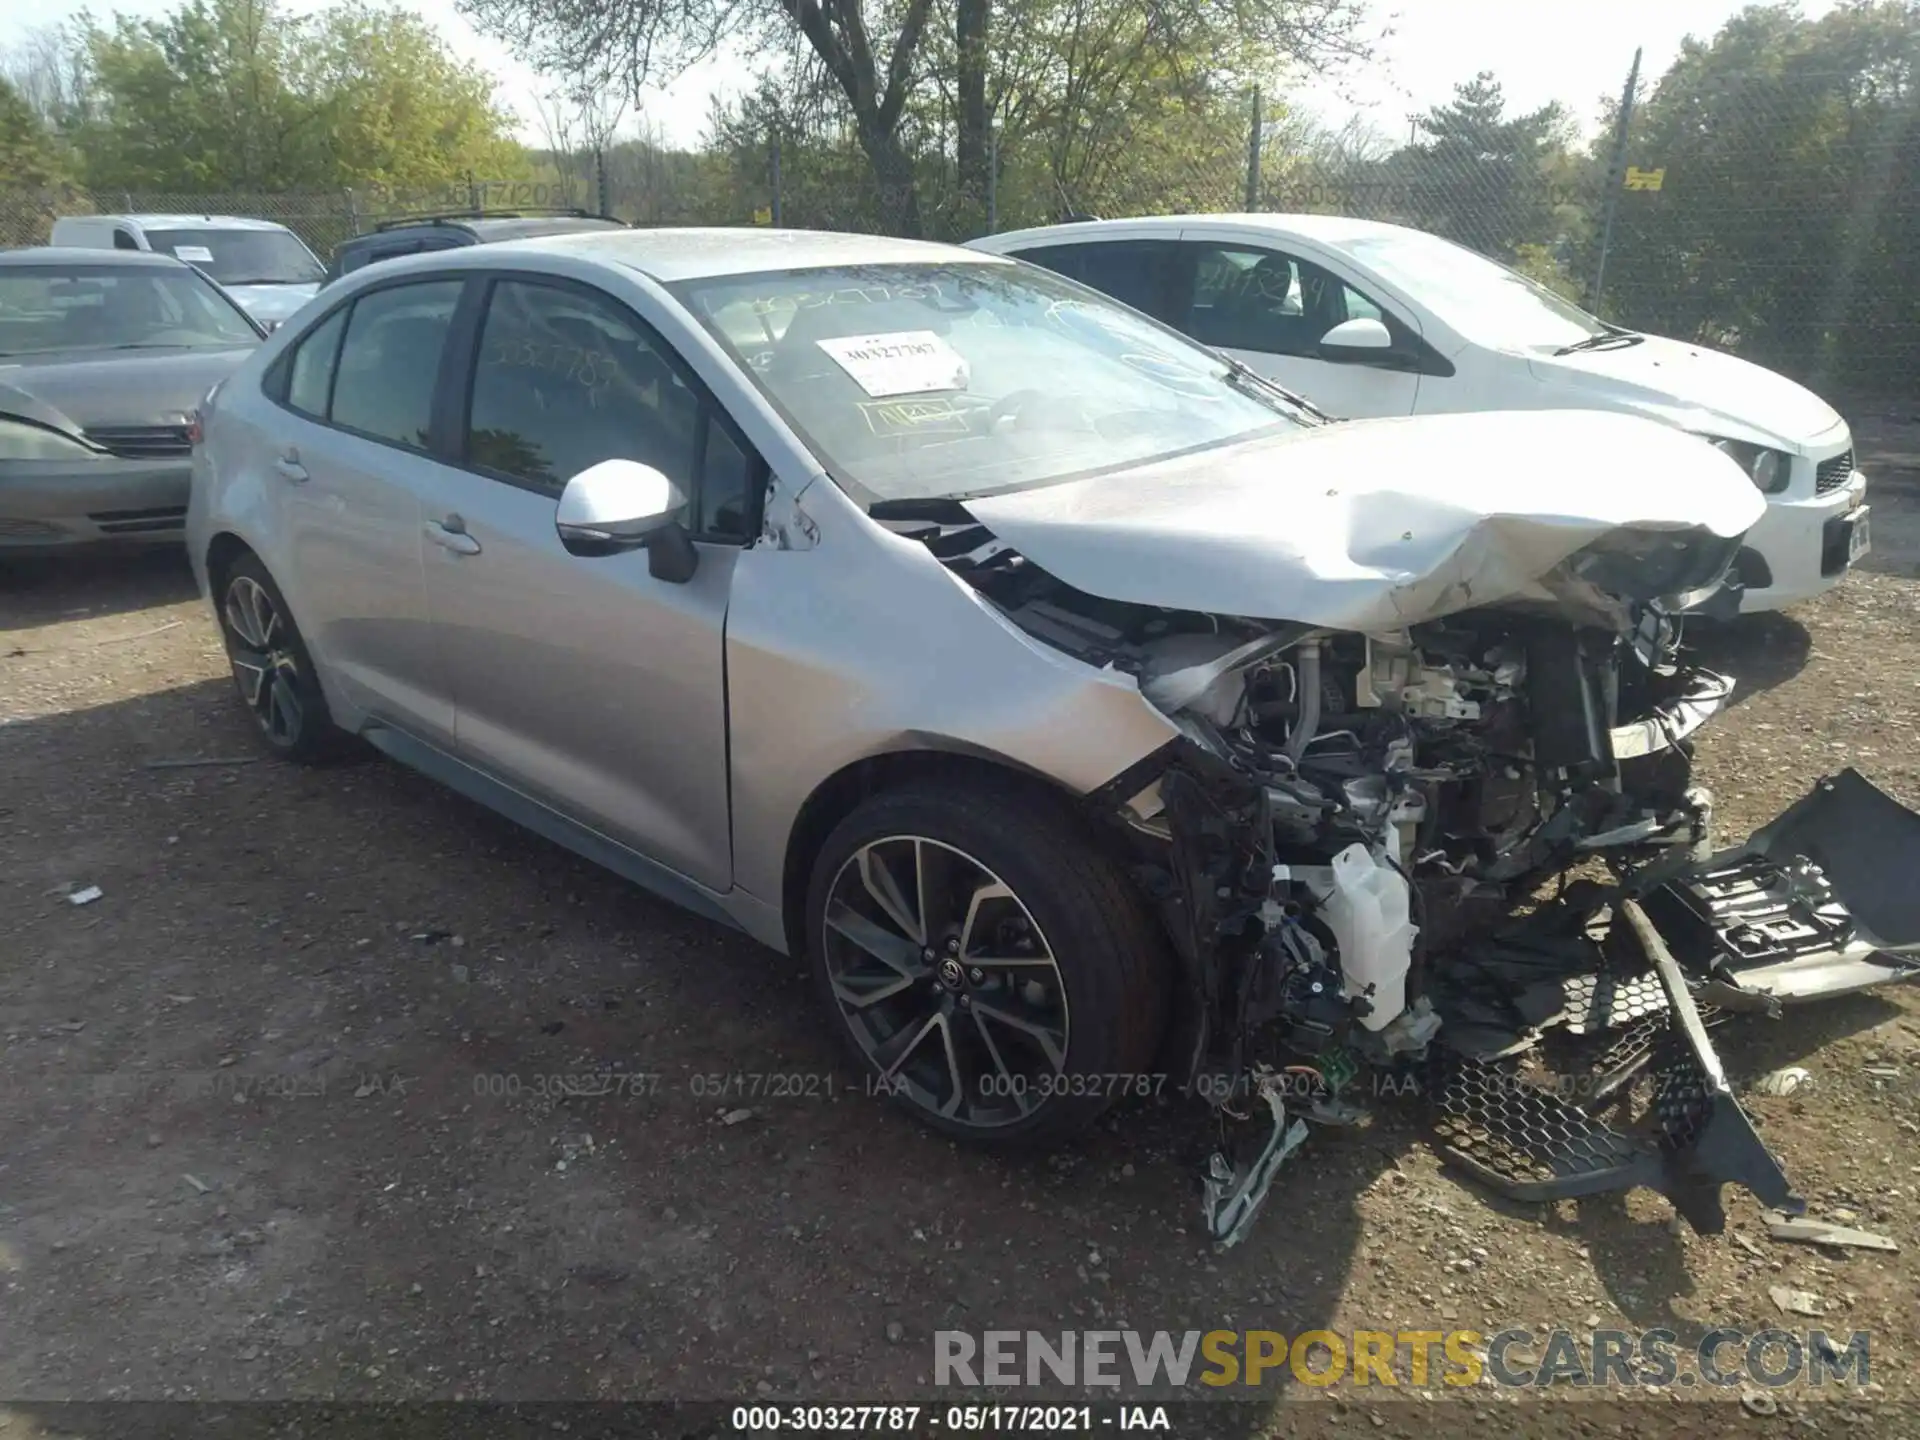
[
  {"x": 1759, "y": 651},
  {"x": 40, "y": 590}
]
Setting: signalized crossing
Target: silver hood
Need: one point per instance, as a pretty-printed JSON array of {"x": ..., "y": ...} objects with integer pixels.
[{"x": 1374, "y": 525}]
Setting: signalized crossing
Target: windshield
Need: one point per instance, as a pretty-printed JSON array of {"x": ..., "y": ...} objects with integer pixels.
[
  {"x": 242, "y": 257},
  {"x": 953, "y": 380},
  {"x": 82, "y": 308},
  {"x": 1485, "y": 302}
]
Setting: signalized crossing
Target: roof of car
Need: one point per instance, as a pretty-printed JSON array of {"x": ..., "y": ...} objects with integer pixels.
[
  {"x": 1330, "y": 229},
  {"x": 493, "y": 227},
  {"x": 197, "y": 222},
  {"x": 668, "y": 255},
  {"x": 42, "y": 256}
]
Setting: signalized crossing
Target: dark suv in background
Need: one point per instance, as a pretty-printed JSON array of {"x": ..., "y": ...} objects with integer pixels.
[{"x": 414, "y": 233}]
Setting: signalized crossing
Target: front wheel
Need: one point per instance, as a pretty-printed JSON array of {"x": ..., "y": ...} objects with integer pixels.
[{"x": 989, "y": 966}]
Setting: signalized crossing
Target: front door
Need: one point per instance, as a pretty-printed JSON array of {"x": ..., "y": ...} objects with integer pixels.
[{"x": 587, "y": 682}]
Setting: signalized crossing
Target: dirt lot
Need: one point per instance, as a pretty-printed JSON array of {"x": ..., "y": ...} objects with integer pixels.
[{"x": 259, "y": 1137}]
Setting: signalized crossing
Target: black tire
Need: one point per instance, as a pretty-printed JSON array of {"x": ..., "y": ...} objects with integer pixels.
[
  {"x": 1068, "y": 902},
  {"x": 272, "y": 670}
]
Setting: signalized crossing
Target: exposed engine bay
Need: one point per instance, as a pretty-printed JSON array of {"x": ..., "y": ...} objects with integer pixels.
[{"x": 1465, "y": 859}]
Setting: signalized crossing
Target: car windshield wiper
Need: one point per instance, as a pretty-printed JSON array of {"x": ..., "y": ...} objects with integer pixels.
[
  {"x": 270, "y": 280},
  {"x": 1250, "y": 378},
  {"x": 1611, "y": 338}
]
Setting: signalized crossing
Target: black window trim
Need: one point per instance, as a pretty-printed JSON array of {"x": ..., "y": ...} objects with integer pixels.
[
  {"x": 453, "y": 405},
  {"x": 276, "y": 382},
  {"x": 284, "y": 364}
]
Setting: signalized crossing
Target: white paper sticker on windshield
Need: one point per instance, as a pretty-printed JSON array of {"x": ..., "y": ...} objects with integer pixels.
[
  {"x": 905, "y": 362},
  {"x": 194, "y": 254}
]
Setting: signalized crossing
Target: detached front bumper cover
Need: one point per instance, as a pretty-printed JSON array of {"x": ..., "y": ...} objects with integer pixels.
[{"x": 1819, "y": 902}]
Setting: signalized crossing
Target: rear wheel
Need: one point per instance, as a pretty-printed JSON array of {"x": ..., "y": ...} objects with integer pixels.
[
  {"x": 989, "y": 966},
  {"x": 271, "y": 667}
]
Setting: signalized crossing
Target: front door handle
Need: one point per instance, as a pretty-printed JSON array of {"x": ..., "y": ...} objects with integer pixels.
[
  {"x": 451, "y": 534},
  {"x": 288, "y": 467}
]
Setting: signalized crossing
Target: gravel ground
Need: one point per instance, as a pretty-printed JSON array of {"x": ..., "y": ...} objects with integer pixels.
[{"x": 281, "y": 1112}]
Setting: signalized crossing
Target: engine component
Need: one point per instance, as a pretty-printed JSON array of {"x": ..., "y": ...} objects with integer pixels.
[{"x": 1368, "y": 908}]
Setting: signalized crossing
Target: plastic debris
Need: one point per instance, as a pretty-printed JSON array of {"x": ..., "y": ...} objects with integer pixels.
[
  {"x": 197, "y": 1183},
  {"x": 86, "y": 896},
  {"x": 1807, "y": 1230},
  {"x": 1233, "y": 1196},
  {"x": 1797, "y": 1302},
  {"x": 1789, "y": 1081},
  {"x": 734, "y": 1117}
]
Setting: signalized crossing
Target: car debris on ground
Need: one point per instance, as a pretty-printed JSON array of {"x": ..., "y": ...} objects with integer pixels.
[{"x": 1814, "y": 1231}]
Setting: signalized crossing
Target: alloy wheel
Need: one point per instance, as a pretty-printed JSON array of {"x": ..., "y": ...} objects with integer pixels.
[
  {"x": 260, "y": 646},
  {"x": 945, "y": 982}
]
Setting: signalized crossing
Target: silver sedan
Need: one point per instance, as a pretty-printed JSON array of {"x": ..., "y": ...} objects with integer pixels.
[{"x": 1092, "y": 716}]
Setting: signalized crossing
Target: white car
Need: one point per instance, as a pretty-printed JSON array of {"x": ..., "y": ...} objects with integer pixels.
[
  {"x": 1367, "y": 319},
  {"x": 265, "y": 266}
]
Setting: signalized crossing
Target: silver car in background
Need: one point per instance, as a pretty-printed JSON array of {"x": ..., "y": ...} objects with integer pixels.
[{"x": 1082, "y": 707}]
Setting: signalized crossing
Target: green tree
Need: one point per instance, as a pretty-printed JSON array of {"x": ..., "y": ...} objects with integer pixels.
[
  {"x": 910, "y": 84},
  {"x": 29, "y": 155},
  {"x": 241, "y": 95},
  {"x": 1481, "y": 176},
  {"x": 1785, "y": 223}
]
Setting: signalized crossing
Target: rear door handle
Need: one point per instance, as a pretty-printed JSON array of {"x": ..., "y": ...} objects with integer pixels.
[
  {"x": 288, "y": 467},
  {"x": 451, "y": 534}
]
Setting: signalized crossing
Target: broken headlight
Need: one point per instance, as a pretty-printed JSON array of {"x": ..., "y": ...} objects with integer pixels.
[{"x": 1770, "y": 470}]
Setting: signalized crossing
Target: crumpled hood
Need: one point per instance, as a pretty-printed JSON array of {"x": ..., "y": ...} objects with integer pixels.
[
  {"x": 1372, "y": 525},
  {"x": 1695, "y": 388},
  {"x": 270, "y": 304},
  {"x": 126, "y": 387}
]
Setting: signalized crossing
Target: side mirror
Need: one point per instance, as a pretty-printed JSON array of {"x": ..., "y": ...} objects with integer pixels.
[
  {"x": 623, "y": 505},
  {"x": 1356, "y": 342}
]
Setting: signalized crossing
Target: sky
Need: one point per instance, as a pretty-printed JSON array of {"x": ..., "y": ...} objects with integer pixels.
[{"x": 1540, "y": 50}]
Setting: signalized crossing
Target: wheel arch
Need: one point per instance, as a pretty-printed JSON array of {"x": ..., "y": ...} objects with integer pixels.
[
  {"x": 842, "y": 792},
  {"x": 222, "y": 550}
]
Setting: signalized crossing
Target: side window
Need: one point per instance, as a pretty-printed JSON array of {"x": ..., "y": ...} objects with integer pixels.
[
  {"x": 310, "y": 376},
  {"x": 564, "y": 380},
  {"x": 1134, "y": 272},
  {"x": 1263, "y": 300},
  {"x": 730, "y": 476},
  {"x": 1358, "y": 307},
  {"x": 124, "y": 241},
  {"x": 1249, "y": 300},
  {"x": 390, "y": 361}
]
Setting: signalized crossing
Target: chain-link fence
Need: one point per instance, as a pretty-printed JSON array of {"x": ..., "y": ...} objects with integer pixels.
[{"x": 1773, "y": 215}]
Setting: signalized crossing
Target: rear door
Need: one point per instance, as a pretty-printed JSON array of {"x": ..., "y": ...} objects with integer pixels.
[
  {"x": 352, "y": 463},
  {"x": 587, "y": 682}
]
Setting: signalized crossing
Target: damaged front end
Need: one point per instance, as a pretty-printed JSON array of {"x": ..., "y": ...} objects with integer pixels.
[{"x": 1365, "y": 846}]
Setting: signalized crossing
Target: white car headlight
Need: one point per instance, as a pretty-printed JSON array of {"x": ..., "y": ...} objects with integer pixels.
[
  {"x": 23, "y": 440},
  {"x": 1768, "y": 469}
]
